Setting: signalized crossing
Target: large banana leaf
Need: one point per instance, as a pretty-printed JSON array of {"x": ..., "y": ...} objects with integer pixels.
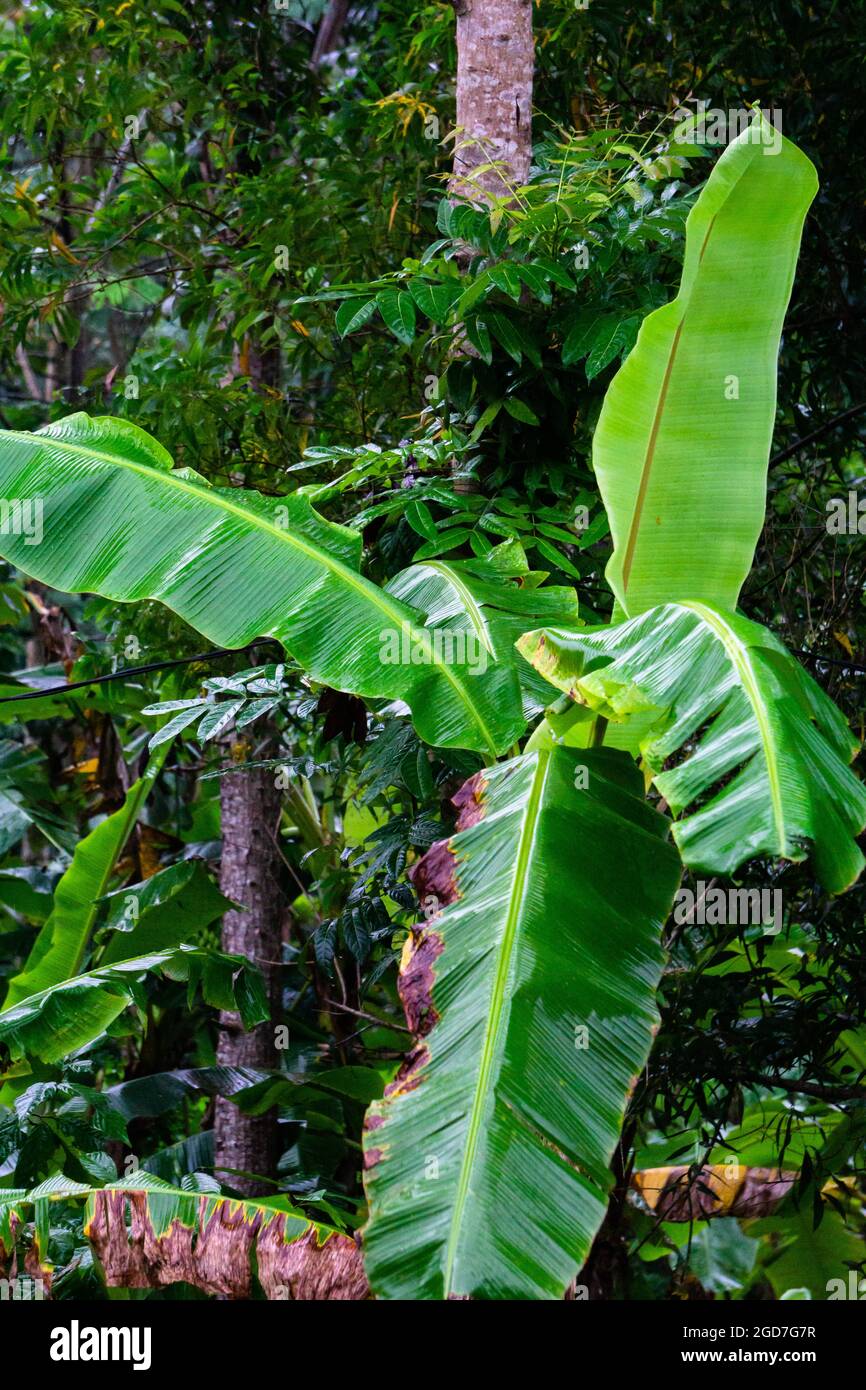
[
  {"x": 146, "y": 1233},
  {"x": 487, "y": 1160},
  {"x": 682, "y": 443},
  {"x": 55, "y": 1023},
  {"x": 118, "y": 520},
  {"x": 762, "y": 753},
  {"x": 59, "y": 948},
  {"x": 468, "y": 596}
]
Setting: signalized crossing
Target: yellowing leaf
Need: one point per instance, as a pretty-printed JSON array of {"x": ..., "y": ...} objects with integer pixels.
[{"x": 60, "y": 245}]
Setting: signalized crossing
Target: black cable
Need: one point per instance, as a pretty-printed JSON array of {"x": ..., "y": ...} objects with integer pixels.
[{"x": 213, "y": 655}]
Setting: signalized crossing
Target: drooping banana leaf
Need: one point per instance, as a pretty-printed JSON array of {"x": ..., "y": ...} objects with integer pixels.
[
  {"x": 28, "y": 890},
  {"x": 531, "y": 996},
  {"x": 59, "y": 948},
  {"x": 748, "y": 751},
  {"x": 194, "y": 1154},
  {"x": 59, "y": 1021},
  {"x": 146, "y": 1234},
  {"x": 469, "y": 597},
  {"x": 120, "y": 521},
  {"x": 162, "y": 1091},
  {"x": 682, "y": 443},
  {"x": 165, "y": 910}
]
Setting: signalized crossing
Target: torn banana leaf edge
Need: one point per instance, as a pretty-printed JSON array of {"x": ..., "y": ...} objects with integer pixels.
[
  {"x": 550, "y": 881},
  {"x": 147, "y": 1234}
]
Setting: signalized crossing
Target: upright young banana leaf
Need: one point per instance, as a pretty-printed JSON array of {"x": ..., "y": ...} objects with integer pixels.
[
  {"x": 531, "y": 995},
  {"x": 749, "y": 752},
  {"x": 59, "y": 948},
  {"x": 682, "y": 443},
  {"x": 147, "y": 1234},
  {"x": 119, "y": 520}
]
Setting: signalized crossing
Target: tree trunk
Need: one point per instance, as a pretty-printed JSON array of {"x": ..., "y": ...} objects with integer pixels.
[
  {"x": 494, "y": 97},
  {"x": 330, "y": 31},
  {"x": 249, "y": 874}
]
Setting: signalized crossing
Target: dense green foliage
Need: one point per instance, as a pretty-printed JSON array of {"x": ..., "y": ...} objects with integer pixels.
[{"x": 255, "y": 262}]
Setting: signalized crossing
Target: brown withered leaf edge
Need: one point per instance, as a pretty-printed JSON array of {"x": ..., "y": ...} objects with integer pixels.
[
  {"x": 216, "y": 1254},
  {"x": 686, "y": 1194},
  {"x": 435, "y": 881}
]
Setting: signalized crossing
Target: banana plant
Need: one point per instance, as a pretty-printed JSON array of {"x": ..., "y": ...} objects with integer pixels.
[
  {"x": 529, "y": 987},
  {"x": 59, "y": 948}
]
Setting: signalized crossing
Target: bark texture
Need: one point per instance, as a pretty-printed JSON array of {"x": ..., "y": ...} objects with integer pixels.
[
  {"x": 330, "y": 31},
  {"x": 494, "y": 96},
  {"x": 249, "y": 875}
]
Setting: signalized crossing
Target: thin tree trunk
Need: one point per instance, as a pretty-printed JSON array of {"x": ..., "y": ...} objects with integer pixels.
[
  {"x": 330, "y": 30},
  {"x": 494, "y": 97},
  {"x": 27, "y": 372},
  {"x": 249, "y": 875}
]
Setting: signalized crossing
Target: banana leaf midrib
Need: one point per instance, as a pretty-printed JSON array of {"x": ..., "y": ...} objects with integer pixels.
[
  {"x": 474, "y": 610},
  {"x": 371, "y": 592},
  {"x": 649, "y": 459},
  {"x": 739, "y": 659},
  {"x": 49, "y": 1191},
  {"x": 637, "y": 541},
  {"x": 516, "y": 899},
  {"x": 250, "y": 1207}
]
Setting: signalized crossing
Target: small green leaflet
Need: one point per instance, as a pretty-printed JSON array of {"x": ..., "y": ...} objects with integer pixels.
[
  {"x": 434, "y": 300},
  {"x": 398, "y": 310},
  {"x": 353, "y": 314}
]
